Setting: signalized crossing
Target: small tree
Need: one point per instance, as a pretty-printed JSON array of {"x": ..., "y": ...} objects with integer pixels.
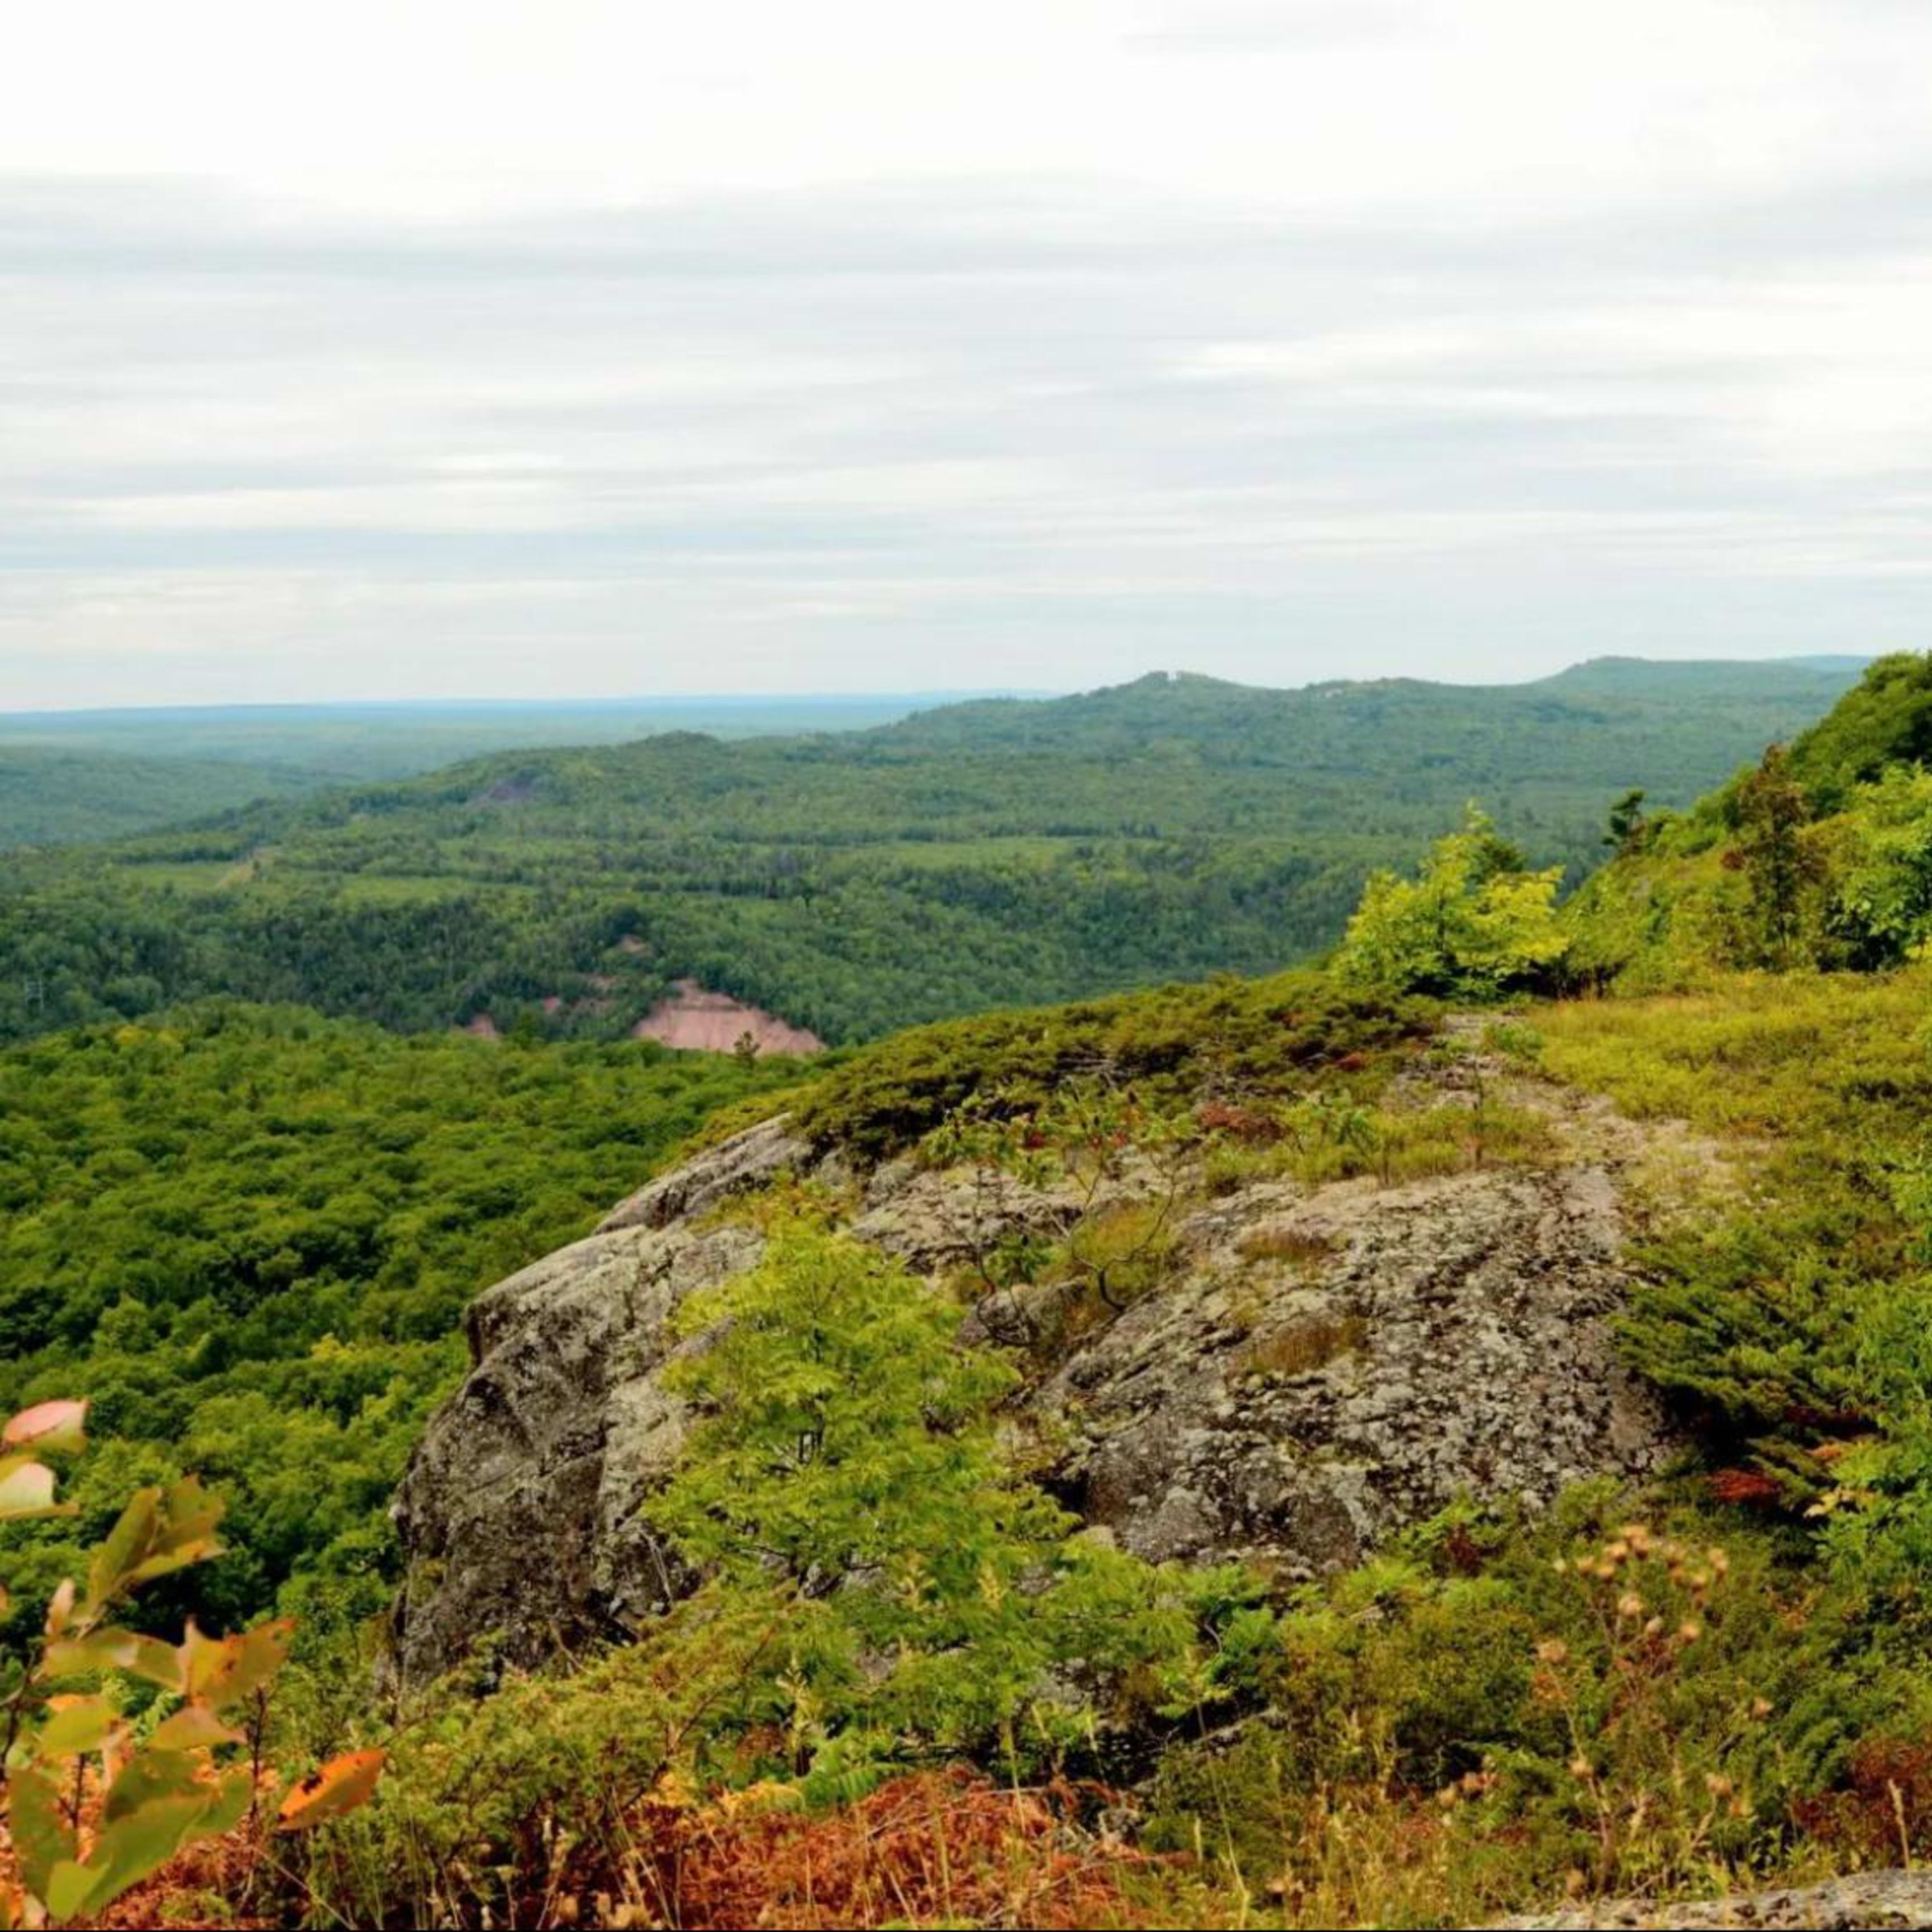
[
  {"x": 1472, "y": 925},
  {"x": 850, "y": 1462},
  {"x": 1881, "y": 895},
  {"x": 1780, "y": 865},
  {"x": 1628, "y": 827}
]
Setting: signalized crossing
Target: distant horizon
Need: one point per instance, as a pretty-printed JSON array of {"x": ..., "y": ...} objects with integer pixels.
[
  {"x": 765, "y": 349},
  {"x": 913, "y": 696}
]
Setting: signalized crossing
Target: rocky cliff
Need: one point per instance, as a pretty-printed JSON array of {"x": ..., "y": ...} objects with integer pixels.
[{"x": 1318, "y": 1365}]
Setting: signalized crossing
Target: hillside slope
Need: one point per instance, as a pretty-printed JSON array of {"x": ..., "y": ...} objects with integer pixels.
[
  {"x": 67, "y": 777},
  {"x": 1820, "y": 855},
  {"x": 1289, "y": 1453},
  {"x": 1543, "y": 1375},
  {"x": 977, "y": 855}
]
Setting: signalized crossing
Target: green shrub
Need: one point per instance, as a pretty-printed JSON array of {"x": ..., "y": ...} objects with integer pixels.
[{"x": 1472, "y": 925}]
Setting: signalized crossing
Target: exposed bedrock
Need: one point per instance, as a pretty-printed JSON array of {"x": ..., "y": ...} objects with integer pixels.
[{"x": 1322, "y": 1366}]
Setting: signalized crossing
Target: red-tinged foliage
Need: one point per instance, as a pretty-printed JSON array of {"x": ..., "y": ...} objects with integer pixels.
[
  {"x": 1746, "y": 1487},
  {"x": 946, "y": 1847},
  {"x": 1884, "y": 1814},
  {"x": 1240, "y": 1123},
  {"x": 47, "y": 1425}
]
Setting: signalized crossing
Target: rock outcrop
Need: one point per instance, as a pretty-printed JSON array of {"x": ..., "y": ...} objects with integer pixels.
[
  {"x": 1861, "y": 1902},
  {"x": 1318, "y": 1366}
]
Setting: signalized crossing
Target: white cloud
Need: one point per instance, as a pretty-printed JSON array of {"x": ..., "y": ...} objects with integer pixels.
[{"x": 592, "y": 346}]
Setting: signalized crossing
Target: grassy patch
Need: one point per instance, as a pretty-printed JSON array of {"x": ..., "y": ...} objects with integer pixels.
[
  {"x": 1304, "y": 1346},
  {"x": 1301, "y": 1248}
]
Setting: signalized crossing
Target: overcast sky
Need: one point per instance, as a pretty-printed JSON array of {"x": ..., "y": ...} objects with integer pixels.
[{"x": 416, "y": 350}]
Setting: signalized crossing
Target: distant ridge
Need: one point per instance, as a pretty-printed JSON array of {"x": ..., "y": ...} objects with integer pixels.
[{"x": 997, "y": 852}]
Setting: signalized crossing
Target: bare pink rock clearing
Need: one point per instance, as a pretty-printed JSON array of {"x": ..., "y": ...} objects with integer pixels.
[
  {"x": 484, "y": 1027},
  {"x": 696, "y": 1020}
]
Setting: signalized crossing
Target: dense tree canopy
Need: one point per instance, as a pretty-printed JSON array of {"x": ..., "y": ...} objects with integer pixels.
[
  {"x": 976, "y": 856},
  {"x": 248, "y": 1235}
]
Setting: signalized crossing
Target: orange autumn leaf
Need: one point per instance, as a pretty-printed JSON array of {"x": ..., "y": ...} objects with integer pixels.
[{"x": 338, "y": 1787}]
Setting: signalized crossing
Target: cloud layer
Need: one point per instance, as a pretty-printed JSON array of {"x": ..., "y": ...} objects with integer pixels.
[{"x": 1283, "y": 342}]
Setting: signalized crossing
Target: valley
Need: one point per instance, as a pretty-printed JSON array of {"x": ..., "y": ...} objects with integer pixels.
[
  {"x": 974, "y": 856},
  {"x": 1447, "y": 1416}
]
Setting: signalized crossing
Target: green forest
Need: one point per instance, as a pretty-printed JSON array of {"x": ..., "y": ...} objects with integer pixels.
[
  {"x": 979, "y": 855},
  {"x": 907, "y": 1684},
  {"x": 249, "y": 1234},
  {"x": 67, "y": 777}
]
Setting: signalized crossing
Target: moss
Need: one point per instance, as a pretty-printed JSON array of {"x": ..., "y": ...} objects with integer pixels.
[
  {"x": 1299, "y": 1247},
  {"x": 1181, "y": 1043},
  {"x": 1304, "y": 1346}
]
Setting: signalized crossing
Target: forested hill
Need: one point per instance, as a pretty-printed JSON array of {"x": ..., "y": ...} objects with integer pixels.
[
  {"x": 69, "y": 776},
  {"x": 985, "y": 854},
  {"x": 1606, "y": 715}
]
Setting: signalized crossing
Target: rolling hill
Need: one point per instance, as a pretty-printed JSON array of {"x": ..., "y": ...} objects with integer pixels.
[{"x": 988, "y": 853}]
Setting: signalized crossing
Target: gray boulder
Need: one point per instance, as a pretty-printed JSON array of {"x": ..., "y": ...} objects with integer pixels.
[{"x": 1319, "y": 1366}]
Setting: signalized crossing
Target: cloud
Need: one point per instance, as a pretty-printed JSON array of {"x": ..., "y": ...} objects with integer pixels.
[{"x": 1417, "y": 339}]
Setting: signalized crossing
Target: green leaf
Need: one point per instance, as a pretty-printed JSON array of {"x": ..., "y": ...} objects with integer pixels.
[
  {"x": 41, "y": 1835},
  {"x": 69, "y": 1891},
  {"x": 121, "y": 1549},
  {"x": 158, "y": 1532},
  {"x": 131, "y": 1848},
  {"x": 112, "y": 1649},
  {"x": 221, "y": 1671},
  {"x": 194, "y": 1727},
  {"x": 148, "y": 1777},
  {"x": 27, "y": 1489},
  {"x": 229, "y": 1804},
  {"x": 75, "y": 1725}
]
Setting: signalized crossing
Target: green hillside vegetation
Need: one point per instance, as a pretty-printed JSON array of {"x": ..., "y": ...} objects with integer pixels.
[
  {"x": 248, "y": 1235},
  {"x": 68, "y": 777},
  {"x": 1719, "y": 1679},
  {"x": 909, "y": 1690},
  {"x": 58, "y": 796},
  {"x": 988, "y": 854},
  {"x": 1819, "y": 855}
]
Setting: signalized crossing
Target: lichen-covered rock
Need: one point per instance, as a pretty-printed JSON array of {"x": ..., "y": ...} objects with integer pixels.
[
  {"x": 1858, "y": 1901},
  {"x": 1318, "y": 1366},
  {"x": 733, "y": 1167},
  {"x": 1338, "y": 1363},
  {"x": 521, "y": 1512}
]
